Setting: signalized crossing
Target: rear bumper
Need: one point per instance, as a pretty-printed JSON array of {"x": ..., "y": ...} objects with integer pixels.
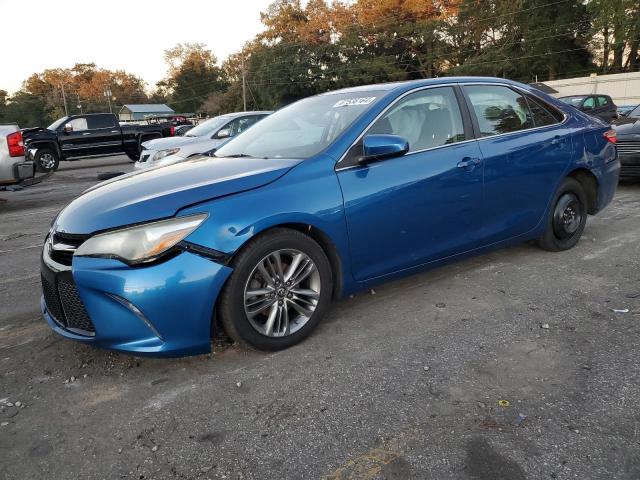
[
  {"x": 164, "y": 309},
  {"x": 608, "y": 176},
  {"x": 16, "y": 171}
]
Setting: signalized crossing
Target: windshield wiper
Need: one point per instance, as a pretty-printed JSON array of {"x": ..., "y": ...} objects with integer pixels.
[{"x": 240, "y": 155}]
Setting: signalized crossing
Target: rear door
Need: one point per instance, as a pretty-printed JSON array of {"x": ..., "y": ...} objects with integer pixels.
[
  {"x": 605, "y": 108},
  {"x": 525, "y": 148},
  {"x": 104, "y": 134}
]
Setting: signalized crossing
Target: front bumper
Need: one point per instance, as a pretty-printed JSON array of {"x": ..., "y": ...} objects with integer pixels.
[
  {"x": 630, "y": 165},
  {"x": 163, "y": 309}
]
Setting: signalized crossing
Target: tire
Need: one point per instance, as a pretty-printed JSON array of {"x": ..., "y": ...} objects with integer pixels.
[
  {"x": 567, "y": 217},
  {"x": 134, "y": 157},
  {"x": 289, "y": 325},
  {"x": 46, "y": 160}
]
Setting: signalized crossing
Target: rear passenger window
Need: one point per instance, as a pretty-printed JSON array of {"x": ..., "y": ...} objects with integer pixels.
[
  {"x": 427, "y": 119},
  {"x": 543, "y": 114},
  {"x": 602, "y": 101},
  {"x": 498, "y": 109},
  {"x": 589, "y": 103},
  {"x": 101, "y": 121}
]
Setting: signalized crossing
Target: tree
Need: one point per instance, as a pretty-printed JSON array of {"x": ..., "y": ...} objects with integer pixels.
[{"x": 192, "y": 76}]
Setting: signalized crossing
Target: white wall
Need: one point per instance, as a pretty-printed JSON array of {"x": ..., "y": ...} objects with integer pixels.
[{"x": 624, "y": 88}]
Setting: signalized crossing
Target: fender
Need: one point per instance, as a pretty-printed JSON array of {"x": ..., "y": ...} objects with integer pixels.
[
  {"x": 236, "y": 219},
  {"x": 35, "y": 145}
]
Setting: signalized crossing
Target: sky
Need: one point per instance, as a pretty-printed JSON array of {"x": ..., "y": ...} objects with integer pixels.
[{"x": 118, "y": 35}]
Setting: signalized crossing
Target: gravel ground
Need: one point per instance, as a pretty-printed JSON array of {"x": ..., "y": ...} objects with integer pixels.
[{"x": 511, "y": 365}]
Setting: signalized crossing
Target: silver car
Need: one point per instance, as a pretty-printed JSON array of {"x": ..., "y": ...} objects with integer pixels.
[
  {"x": 200, "y": 139},
  {"x": 13, "y": 167}
]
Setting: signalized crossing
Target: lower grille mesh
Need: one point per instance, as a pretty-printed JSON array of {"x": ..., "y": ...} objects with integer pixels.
[{"x": 65, "y": 306}]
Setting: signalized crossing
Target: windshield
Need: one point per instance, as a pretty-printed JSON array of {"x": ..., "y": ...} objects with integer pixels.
[
  {"x": 57, "y": 123},
  {"x": 574, "y": 101},
  {"x": 635, "y": 112},
  {"x": 208, "y": 127},
  {"x": 303, "y": 129}
]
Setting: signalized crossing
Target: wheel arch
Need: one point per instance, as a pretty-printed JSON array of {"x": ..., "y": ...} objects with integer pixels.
[
  {"x": 39, "y": 144},
  {"x": 320, "y": 237},
  {"x": 589, "y": 182}
]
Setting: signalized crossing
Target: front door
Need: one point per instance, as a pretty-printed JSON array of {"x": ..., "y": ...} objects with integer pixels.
[{"x": 425, "y": 205}]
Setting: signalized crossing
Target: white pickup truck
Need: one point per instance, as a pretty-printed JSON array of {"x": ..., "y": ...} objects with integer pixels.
[{"x": 13, "y": 166}]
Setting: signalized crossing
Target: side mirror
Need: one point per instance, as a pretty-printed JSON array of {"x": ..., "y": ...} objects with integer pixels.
[
  {"x": 224, "y": 133},
  {"x": 379, "y": 147},
  {"x": 68, "y": 128}
]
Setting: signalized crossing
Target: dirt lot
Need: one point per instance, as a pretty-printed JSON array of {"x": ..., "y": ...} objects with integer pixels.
[{"x": 404, "y": 383}]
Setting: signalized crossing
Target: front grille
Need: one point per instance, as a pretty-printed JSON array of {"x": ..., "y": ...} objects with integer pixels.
[
  {"x": 63, "y": 245},
  {"x": 630, "y": 171},
  {"x": 627, "y": 147},
  {"x": 65, "y": 306}
]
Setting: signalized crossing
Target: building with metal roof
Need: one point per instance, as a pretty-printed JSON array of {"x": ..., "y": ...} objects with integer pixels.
[{"x": 141, "y": 111}]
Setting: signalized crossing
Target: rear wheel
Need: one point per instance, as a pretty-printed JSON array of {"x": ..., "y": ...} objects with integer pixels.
[
  {"x": 279, "y": 291},
  {"x": 567, "y": 218},
  {"x": 46, "y": 160}
]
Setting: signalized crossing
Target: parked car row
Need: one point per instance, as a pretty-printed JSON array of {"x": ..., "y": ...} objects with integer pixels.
[
  {"x": 205, "y": 137},
  {"x": 327, "y": 196}
]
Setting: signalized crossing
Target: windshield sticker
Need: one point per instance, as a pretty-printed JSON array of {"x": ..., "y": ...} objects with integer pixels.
[{"x": 354, "y": 101}]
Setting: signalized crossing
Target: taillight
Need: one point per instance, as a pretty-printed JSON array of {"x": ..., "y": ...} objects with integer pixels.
[
  {"x": 16, "y": 145},
  {"x": 173, "y": 130},
  {"x": 611, "y": 136}
]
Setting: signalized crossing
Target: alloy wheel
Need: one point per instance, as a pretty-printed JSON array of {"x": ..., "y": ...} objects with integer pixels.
[
  {"x": 47, "y": 161},
  {"x": 282, "y": 293}
]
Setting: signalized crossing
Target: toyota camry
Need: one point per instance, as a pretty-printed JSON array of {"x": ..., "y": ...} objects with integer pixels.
[{"x": 327, "y": 196}]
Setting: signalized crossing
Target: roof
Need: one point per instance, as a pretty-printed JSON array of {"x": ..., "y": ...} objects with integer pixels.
[
  {"x": 148, "y": 108},
  {"x": 240, "y": 114},
  {"x": 543, "y": 87},
  {"x": 409, "y": 84}
]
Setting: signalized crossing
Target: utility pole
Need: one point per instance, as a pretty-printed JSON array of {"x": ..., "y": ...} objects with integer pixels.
[
  {"x": 244, "y": 92},
  {"x": 64, "y": 99},
  {"x": 79, "y": 104},
  {"x": 107, "y": 93}
]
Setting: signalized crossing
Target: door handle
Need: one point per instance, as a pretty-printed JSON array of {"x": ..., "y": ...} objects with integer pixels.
[
  {"x": 468, "y": 163},
  {"x": 86, "y": 133},
  {"x": 114, "y": 131},
  {"x": 558, "y": 140}
]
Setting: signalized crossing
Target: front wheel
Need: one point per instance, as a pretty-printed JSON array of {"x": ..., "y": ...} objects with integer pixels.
[
  {"x": 279, "y": 291},
  {"x": 46, "y": 160},
  {"x": 567, "y": 217}
]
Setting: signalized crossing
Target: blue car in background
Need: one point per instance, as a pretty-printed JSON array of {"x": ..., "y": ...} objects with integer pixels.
[{"x": 323, "y": 198}]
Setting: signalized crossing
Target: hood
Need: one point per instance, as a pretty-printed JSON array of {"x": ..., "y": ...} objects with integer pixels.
[
  {"x": 171, "y": 142},
  {"x": 160, "y": 192},
  {"x": 627, "y": 126}
]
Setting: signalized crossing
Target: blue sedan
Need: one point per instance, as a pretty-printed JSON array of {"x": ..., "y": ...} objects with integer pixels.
[{"x": 325, "y": 197}]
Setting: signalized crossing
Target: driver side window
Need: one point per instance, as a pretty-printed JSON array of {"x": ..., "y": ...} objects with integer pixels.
[
  {"x": 78, "y": 124},
  {"x": 589, "y": 103},
  {"x": 427, "y": 119}
]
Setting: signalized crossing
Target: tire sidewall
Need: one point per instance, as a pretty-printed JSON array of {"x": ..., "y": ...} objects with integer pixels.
[
  {"x": 39, "y": 154},
  {"x": 232, "y": 310},
  {"x": 550, "y": 241}
]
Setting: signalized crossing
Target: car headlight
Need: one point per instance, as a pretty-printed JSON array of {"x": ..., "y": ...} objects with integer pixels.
[
  {"x": 160, "y": 154},
  {"x": 142, "y": 243}
]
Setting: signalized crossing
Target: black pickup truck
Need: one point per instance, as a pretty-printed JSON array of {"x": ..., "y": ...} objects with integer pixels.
[{"x": 91, "y": 134}]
